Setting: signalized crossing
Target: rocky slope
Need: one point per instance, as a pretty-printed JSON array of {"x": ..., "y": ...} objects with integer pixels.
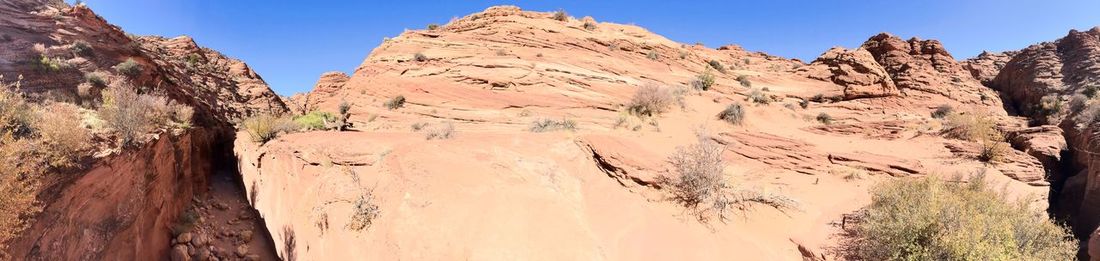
[
  {"x": 123, "y": 204},
  {"x": 1066, "y": 70},
  {"x": 594, "y": 193}
]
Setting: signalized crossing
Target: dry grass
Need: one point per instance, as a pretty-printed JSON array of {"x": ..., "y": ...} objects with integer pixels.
[
  {"x": 703, "y": 189},
  {"x": 545, "y": 125},
  {"x": 652, "y": 100},
  {"x": 733, "y": 114},
  {"x": 264, "y": 128},
  {"x": 364, "y": 212},
  {"x": 932, "y": 219},
  {"x": 440, "y": 131}
]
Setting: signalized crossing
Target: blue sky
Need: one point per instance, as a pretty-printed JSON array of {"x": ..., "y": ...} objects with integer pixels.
[{"x": 290, "y": 43}]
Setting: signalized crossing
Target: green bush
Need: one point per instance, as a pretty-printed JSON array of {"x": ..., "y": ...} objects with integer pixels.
[
  {"x": 932, "y": 219},
  {"x": 47, "y": 64},
  {"x": 733, "y": 114},
  {"x": 315, "y": 120},
  {"x": 129, "y": 68}
]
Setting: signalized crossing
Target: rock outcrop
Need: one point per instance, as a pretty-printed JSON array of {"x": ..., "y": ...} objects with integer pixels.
[
  {"x": 987, "y": 65},
  {"x": 124, "y": 205},
  {"x": 1036, "y": 81}
]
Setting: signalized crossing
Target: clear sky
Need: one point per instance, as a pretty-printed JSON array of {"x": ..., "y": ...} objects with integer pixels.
[{"x": 290, "y": 43}]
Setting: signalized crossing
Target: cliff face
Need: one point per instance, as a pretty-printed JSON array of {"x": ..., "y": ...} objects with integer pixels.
[
  {"x": 124, "y": 206},
  {"x": 1065, "y": 71},
  {"x": 121, "y": 205}
]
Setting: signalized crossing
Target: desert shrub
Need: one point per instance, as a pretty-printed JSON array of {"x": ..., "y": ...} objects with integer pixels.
[
  {"x": 315, "y": 120},
  {"x": 991, "y": 149},
  {"x": 46, "y": 64},
  {"x": 181, "y": 115},
  {"x": 703, "y": 81},
  {"x": 804, "y": 103},
  {"x": 744, "y": 80},
  {"x": 81, "y": 48},
  {"x": 1088, "y": 117},
  {"x": 502, "y": 53},
  {"x": 95, "y": 79},
  {"x": 824, "y": 118},
  {"x": 17, "y": 192},
  {"x": 16, "y": 116},
  {"x": 942, "y": 111},
  {"x": 433, "y": 27},
  {"x": 418, "y": 126},
  {"x": 652, "y": 55},
  {"x": 395, "y": 102},
  {"x": 1091, "y": 90},
  {"x": 1049, "y": 105},
  {"x": 1078, "y": 102},
  {"x": 969, "y": 126},
  {"x": 264, "y": 128},
  {"x": 544, "y": 125},
  {"x": 560, "y": 15},
  {"x": 364, "y": 212},
  {"x": 440, "y": 131},
  {"x": 127, "y": 112},
  {"x": 819, "y": 98},
  {"x": 651, "y": 100},
  {"x": 62, "y": 140},
  {"x": 700, "y": 181},
  {"x": 759, "y": 97},
  {"x": 733, "y": 114},
  {"x": 932, "y": 219},
  {"x": 590, "y": 26},
  {"x": 129, "y": 68},
  {"x": 717, "y": 66},
  {"x": 420, "y": 57}
]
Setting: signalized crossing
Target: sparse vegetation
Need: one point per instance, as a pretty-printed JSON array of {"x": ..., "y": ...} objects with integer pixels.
[
  {"x": 46, "y": 64},
  {"x": 440, "y": 131},
  {"x": 420, "y": 57},
  {"x": 560, "y": 15},
  {"x": 395, "y": 102},
  {"x": 980, "y": 128},
  {"x": 818, "y": 98},
  {"x": 433, "y": 27},
  {"x": 81, "y": 48},
  {"x": 701, "y": 186},
  {"x": 315, "y": 120},
  {"x": 703, "y": 81},
  {"x": 1091, "y": 90},
  {"x": 652, "y": 55},
  {"x": 759, "y": 97},
  {"x": 264, "y": 128},
  {"x": 95, "y": 79},
  {"x": 932, "y": 219},
  {"x": 590, "y": 26},
  {"x": 1088, "y": 117},
  {"x": 61, "y": 140},
  {"x": 1078, "y": 102},
  {"x": 733, "y": 114},
  {"x": 744, "y": 80},
  {"x": 717, "y": 66},
  {"x": 1049, "y": 105},
  {"x": 545, "y": 125},
  {"x": 824, "y": 118},
  {"x": 364, "y": 212},
  {"x": 651, "y": 100},
  {"x": 804, "y": 103},
  {"x": 126, "y": 112},
  {"x": 129, "y": 68},
  {"x": 942, "y": 111}
]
